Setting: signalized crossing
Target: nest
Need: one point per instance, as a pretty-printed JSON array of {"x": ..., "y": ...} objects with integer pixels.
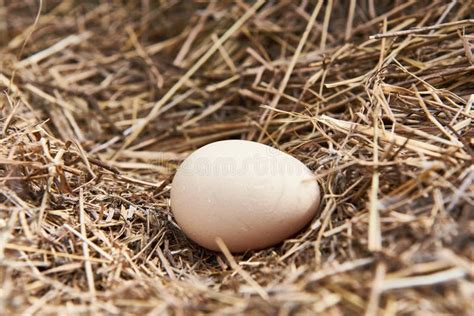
[{"x": 102, "y": 100}]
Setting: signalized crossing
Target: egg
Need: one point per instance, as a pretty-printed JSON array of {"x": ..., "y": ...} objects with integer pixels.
[{"x": 250, "y": 195}]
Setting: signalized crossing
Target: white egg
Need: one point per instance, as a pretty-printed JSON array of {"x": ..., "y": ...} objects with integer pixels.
[{"x": 250, "y": 195}]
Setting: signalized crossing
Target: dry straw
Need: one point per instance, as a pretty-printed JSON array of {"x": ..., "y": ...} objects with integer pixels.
[{"x": 101, "y": 102}]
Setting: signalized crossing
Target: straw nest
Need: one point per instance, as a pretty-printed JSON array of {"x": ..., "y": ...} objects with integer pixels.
[{"x": 101, "y": 100}]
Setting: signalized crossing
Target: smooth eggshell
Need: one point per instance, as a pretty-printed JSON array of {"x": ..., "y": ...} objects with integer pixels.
[{"x": 249, "y": 194}]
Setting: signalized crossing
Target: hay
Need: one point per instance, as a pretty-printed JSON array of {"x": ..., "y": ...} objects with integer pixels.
[{"x": 101, "y": 101}]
